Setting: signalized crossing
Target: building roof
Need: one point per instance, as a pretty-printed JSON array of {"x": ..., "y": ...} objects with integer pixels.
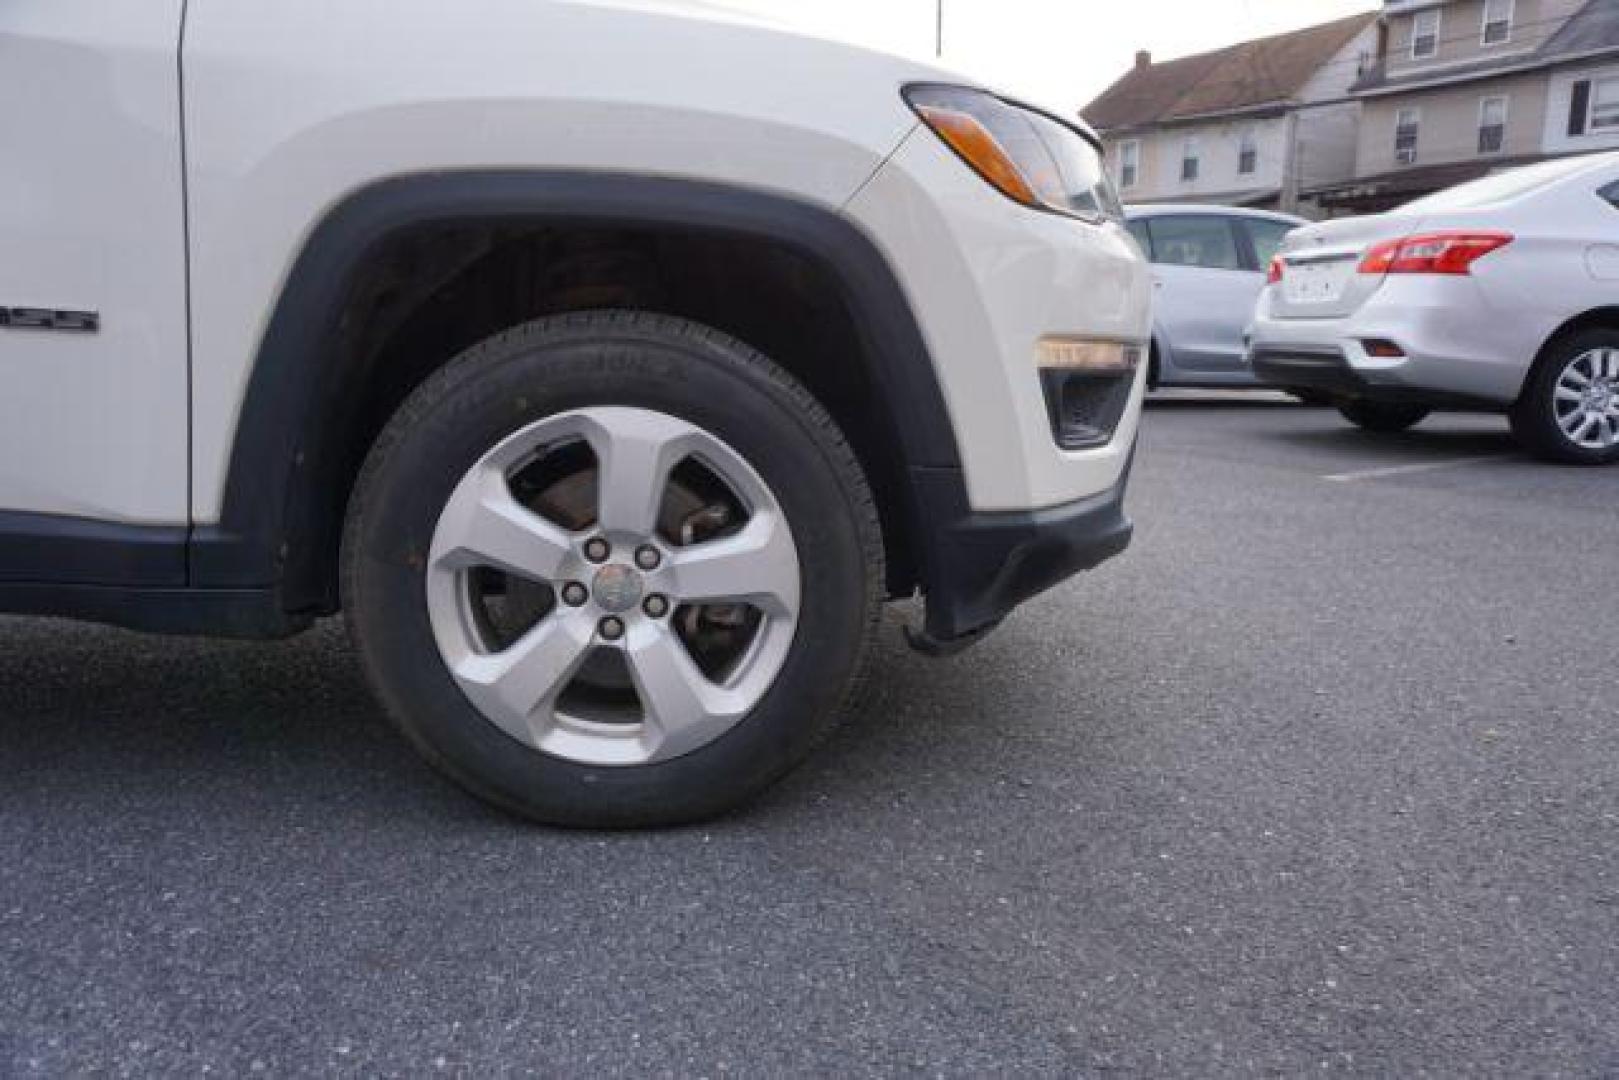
[
  {"x": 1403, "y": 185},
  {"x": 1593, "y": 27},
  {"x": 1592, "y": 30},
  {"x": 1255, "y": 74},
  {"x": 1389, "y": 189}
]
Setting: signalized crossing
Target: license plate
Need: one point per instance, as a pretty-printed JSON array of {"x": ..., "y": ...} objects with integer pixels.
[{"x": 1316, "y": 282}]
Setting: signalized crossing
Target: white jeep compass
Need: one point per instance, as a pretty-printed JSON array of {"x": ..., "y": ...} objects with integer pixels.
[{"x": 608, "y": 364}]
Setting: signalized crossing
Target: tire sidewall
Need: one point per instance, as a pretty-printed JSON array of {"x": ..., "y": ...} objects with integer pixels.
[
  {"x": 1386, "y": 418},
  {"x": 555, "y": 367},
  {"x": 1535, "y": 415}
]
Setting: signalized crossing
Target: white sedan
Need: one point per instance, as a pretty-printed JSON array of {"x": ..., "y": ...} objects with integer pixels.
[{"x": 1499, "y": 295}]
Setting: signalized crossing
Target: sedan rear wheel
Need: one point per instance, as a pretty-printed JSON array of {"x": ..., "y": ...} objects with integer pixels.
[
  {"x": 1387, "y": 417},
  {"x": 1569, "y": 410}
]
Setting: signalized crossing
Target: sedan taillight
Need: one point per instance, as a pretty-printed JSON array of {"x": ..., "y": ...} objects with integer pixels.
[
  {"x": 1277, "y": 269},
  {"x": 1433, "y": 253}
]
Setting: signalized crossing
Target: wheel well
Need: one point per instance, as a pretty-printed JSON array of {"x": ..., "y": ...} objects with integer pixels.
[
  {"x": 1603, "y": 318},
  {"x": 423, "y": 296}
]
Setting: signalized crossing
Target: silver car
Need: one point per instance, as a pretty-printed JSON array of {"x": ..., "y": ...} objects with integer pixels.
[
  {"x": 1208, "y": 270},
  {"x": 1500, "y": 295}
]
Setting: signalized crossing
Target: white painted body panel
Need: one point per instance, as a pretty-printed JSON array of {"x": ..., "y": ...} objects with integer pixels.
[
  {"x": 293, "y": 106},
  {"x": 296, "y": 105},
  {"x": 1478, "y": 334},
  {"x": 93, "y": 425},
  {"x": 987, "y": 279}
]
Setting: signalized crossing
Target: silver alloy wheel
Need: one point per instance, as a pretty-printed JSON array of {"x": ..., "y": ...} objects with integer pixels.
[
  {"x": 616, "y": 603},
  {"x": 1586, "y": 401}
]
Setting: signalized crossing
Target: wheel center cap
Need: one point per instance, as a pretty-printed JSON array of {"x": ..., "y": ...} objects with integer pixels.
[{"x": 617, "y": 588}]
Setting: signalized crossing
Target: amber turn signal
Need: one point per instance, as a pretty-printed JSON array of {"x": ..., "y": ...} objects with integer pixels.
[{"x": 980, "y": 149}]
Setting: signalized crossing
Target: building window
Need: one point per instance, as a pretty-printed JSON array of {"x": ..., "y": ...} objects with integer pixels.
[
  {"x": 1425, "y": 34},
  {"x": 1605, "y": 105},
  {"x": 1248, "y": 154},
  {"x": 1492, "y": 125},
  {"x": 1191, "y": 164},
  {"x": 1129, "y": 163},
  {"x": 1407, "y": 126},
  {"x": 1498, "y": 21}
]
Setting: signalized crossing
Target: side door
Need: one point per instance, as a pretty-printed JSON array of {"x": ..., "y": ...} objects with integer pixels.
[
  {"x": 1205, "y": 287},
  {"x": 93, "y": 340}
]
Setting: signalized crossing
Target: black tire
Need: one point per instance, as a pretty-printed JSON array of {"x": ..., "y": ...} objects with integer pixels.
[
  {"x": 1534, "y": 415},
  {"x": 1315, "y": 399},
  {"x": 1383, "y": 417},
  {"x": 624, "y": 359}
]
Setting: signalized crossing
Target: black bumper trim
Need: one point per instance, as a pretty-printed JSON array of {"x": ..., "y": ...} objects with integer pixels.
[
  {"x": 1308, "y": 369},
  {"x": 983, "y": 565},
  {"x": 1328, "y": 371}
]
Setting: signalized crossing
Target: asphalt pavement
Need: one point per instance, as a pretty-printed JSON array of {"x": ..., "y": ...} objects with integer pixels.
[{"x": 1322, "y": 776}]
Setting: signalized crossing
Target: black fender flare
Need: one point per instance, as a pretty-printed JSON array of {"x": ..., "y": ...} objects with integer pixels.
[{"x": 262, "y": 537}]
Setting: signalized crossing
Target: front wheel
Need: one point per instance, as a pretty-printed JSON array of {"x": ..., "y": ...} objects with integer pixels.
[
  {"x": 1385, "y": 417},
  {"x": 613, "y": 570},
  {"x": 1569, "y": 411}
]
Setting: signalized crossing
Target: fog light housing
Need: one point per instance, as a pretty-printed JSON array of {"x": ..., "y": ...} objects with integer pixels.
[
  {"x": 1087, "y": 386},
  {"x": 1383, "y": 350},
  {"x": 1078, "y": 354}
]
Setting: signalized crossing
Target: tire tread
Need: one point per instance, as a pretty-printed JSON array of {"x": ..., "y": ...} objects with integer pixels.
[{"x": 510, "y": 346}]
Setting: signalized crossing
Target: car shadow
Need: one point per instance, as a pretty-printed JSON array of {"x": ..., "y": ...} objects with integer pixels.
[
  {"x": 139, "y": 728},
  {"x": 1223, "y": 400},
  {"x": 1418, "y": 444},
  {"x": 111, "y": 719}
]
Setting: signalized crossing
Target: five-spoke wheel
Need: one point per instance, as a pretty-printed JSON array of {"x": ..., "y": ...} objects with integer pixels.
[
  {"x": 613, "y": 569},
  {"x": 683, "y": 572}
]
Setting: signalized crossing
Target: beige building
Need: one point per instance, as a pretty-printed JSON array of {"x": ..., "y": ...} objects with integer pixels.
[
  {"x": 1250, "y": 125},
  {"x": 1461, "y": 88}
]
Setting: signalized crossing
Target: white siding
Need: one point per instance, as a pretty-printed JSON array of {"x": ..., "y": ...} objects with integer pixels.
[
  {"x": 1559, "y": 101},
  {"x": 1339, "y": 74},
  {"x": 1328, "y": 136},
  {"x": 1220, "y": 145}
]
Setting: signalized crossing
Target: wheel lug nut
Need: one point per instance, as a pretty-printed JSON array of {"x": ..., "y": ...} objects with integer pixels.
[
  {"x": 597, "y": 550},
  {"x": 647, "y": 557},
  {"x": 611, "y": 628},
  {"x": 656, "y": 606},
  {"x": 575, "y": 594}
]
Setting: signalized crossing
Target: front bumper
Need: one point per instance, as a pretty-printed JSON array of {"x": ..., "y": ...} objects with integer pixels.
[
  {"x": 988, "y": 280},
  {"x": 980, "y": 566}
]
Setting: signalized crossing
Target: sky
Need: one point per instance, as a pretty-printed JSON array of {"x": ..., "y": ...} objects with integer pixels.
[{"x": 1057, "y": 53}]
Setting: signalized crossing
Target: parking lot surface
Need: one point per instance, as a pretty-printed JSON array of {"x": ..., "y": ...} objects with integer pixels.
[{"x": 1323, "y": 775}]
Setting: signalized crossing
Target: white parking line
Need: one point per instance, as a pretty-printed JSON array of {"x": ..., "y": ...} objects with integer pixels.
[{"x": 1408, "y": 470}]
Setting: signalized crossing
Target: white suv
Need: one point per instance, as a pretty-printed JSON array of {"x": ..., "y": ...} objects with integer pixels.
[{"x": 608, "y": 364}]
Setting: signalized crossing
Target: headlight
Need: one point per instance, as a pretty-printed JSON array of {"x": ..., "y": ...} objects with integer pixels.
[{"x": 1026, "y": 155}]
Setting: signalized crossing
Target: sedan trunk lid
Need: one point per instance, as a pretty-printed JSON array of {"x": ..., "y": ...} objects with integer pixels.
[{"x": 1321, "y": 263}]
